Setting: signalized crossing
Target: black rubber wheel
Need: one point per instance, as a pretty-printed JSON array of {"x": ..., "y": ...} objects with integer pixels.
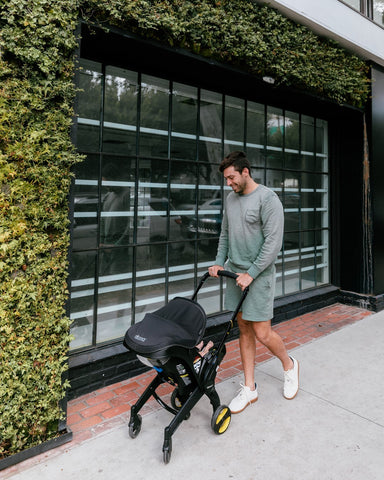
[
  {"x": 221, "y": 419},
  {"x": 167, "y": 451},
  {"x": 134, "y": 426}
]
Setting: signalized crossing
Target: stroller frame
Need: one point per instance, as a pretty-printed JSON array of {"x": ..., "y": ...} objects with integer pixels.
[{"x": 179, "y": 368}]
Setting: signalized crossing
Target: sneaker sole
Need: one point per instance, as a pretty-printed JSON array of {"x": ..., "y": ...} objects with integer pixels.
[
  {"x": 298, "y": 383},
  {"x": 239, "y": 411}
]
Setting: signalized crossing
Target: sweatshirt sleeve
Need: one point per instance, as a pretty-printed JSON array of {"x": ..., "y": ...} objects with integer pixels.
[
  {"x": 222, "y": 249},
  {"x": 272, "y": 224}
]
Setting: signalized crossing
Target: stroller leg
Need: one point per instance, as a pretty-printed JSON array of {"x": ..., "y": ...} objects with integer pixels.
[
  {"x": 181, "y": 415},
  {"x": 134, "y": 425},
  {"x": 213, "y": 397}
]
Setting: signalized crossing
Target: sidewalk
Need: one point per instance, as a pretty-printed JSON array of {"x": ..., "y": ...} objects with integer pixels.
[{"x": 334, "y": 429}]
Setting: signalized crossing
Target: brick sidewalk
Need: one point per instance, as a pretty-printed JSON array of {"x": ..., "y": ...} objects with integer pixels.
[{"x": 91, "y": 414}]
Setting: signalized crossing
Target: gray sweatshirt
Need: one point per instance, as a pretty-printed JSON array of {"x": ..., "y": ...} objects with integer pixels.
[{"x": 252, "y": 231}]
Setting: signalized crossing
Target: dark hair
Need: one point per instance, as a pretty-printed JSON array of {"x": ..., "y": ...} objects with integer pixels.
[{"x": 237, "y": 160}]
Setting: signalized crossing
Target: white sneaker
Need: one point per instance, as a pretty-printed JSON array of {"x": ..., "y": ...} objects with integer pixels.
[
  {"x": 245, "y": 397},
  {"x": 291, "y": 380}
]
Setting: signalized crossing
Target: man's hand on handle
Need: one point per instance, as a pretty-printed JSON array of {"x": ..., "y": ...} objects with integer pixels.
[
  {"x": 214, "y": 269},
  {"x": 244, "y": 280}
]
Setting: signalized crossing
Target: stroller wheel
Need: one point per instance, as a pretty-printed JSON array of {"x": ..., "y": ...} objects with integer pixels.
[
  {"x": 221, "y": 419},
  {"x": 134, "y": 426},
  {"x": 167, "y": 450}
]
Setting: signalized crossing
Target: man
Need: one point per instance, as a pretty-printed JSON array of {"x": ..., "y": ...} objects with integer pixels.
[{"x": 250, "y": 240}]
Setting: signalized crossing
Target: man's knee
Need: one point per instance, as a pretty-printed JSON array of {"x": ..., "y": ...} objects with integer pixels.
[
  {"x": 245, "y": 326},
  {"x": 262, "y": 331}
]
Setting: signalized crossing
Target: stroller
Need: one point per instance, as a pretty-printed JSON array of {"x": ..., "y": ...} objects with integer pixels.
[{"x": 166, "y": 340}]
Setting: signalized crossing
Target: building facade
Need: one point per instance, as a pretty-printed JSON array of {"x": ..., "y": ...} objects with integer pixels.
[{"x": 153, "y": 124}]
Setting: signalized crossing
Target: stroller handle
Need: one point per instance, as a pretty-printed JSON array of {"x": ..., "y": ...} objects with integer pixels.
[
  {"x": 226, "y": 273},
  {"x": 221, "y": 273}
]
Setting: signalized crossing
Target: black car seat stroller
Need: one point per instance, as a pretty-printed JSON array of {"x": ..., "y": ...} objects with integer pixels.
[{"x": 166, "y": 340}]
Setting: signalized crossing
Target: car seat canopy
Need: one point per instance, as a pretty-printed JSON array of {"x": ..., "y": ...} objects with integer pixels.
[{"x": 180, "y": 323}]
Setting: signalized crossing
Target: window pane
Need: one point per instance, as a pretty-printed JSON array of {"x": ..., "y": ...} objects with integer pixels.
[
  {"x": 184, "y": 122},
  {"x": 83, "y": 269},
  {"x": 183, "y": 199},
  {"x": 321, "y": 146},
  {"x": 208, "y": 222},
  {"x": 114, "y": 293},
  {"x": 154, "y": 117},
  {"x": 181, "y": 270},
  {"x": 292, "y": 132},
  {"x": 86, "y": 203},
  {"x": 307, "y": 134},
  {"x": 120, "y": 111},
  {"x": 152, "y": 208},
  {"x": 234, "y": 125},
  {"x": 150, "y": 279},
  {"x": 255, "y": 133},
  {"x": 275, "y": 137},
  {"x": 378, "y": 11},
  {"x": 291, "y": 279},
  {"x": 322, "y": 257},
  {"x": 211, "y": 128},
  {"x": 89, "y": 103},
  {"x": 209, "y": 295},
  {"x": 117, "y": 197}
]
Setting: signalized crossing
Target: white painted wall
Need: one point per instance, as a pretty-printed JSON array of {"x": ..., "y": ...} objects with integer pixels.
[{"x": 336, "y": 20}]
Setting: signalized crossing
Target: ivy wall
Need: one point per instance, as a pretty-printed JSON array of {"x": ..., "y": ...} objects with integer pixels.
[{"x": 37, "y": 45}]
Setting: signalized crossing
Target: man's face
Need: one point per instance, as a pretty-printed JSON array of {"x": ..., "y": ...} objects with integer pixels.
[{"x": 236, "y": 180}]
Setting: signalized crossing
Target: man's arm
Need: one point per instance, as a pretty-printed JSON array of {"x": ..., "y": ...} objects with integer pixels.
[
  {"x": 272, "y": 218},
  {"x": 222, "y": 249}
]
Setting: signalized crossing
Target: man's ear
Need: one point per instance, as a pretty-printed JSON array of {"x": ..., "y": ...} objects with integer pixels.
[{"x": 246, "y": 171}]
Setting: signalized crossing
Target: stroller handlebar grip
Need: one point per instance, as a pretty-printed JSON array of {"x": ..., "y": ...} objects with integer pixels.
[{"x": 226, "y": 273}]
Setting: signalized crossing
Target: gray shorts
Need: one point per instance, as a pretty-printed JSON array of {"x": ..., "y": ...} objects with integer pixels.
[{"x": 258, "y": 304}]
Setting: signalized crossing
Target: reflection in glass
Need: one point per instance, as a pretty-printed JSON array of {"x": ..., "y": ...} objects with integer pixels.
[
  {"x": 307, "y": 134},
  {"x": 234, "y": 124},
  {"x": 150, "y": 279},
  {"x": 255, "y": 134},
  {"x": 378, "y": 11},
  {"x": 184, "y": 122},
  {"x": 181, "y": 270},
  {"x": 210, "y": 127},
  {"x": 117, "y": 197},
  {"x": 86, "y": 203},
  {"x": 120, "y": 111},
  {"x": 89, "y": 101},
  {"x": 83, "y": 269},
  {"x": 114, "y": 293},
  {"x": 154, "y": 114},
  {"x": 292, "y": 131},
  {"x": 321, "y": 145},
  {"x": 153, "y": 206}
]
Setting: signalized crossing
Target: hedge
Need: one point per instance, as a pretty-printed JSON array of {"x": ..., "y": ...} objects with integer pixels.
[{"x": 37, "y": 45}]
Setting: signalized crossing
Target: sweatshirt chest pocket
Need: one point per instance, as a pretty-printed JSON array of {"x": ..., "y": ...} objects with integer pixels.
[{"x": 252, "y": 216}]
